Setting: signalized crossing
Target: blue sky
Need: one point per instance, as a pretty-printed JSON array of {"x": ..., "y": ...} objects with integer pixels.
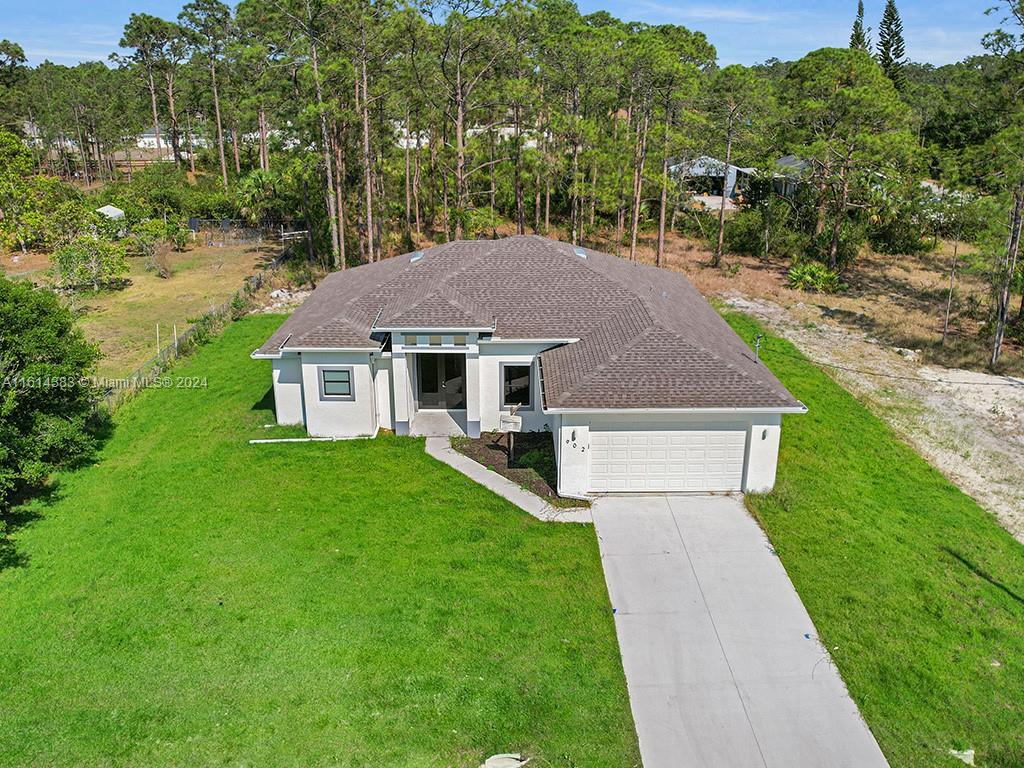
[{"x": 744, "y": 31}]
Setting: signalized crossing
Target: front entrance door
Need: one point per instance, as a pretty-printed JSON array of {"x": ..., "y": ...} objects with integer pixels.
[{"x": 441, "y": 381}]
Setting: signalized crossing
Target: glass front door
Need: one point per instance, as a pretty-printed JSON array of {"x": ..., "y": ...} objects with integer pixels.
[{"x": 441, "y": 381}]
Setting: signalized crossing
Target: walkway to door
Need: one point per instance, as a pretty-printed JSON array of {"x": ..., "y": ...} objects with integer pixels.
[{"x": 722, "y": 662}]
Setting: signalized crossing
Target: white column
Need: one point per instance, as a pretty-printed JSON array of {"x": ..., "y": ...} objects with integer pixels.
[
  {"x": 400, "y": 382},
  {"x": 473, "y": 393}
]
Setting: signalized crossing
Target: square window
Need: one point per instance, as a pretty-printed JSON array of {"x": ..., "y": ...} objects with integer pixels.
[
  {"x": 411, "y": 341},
  {"x": 435, "y": 341},
  {"x": 459, "y": 341},
  {"x": 337, "y": 383},
  {"x": 516, "y": 386}
]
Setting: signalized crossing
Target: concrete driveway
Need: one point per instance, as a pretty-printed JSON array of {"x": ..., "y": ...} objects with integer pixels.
[{"x": 722, "y": 661}]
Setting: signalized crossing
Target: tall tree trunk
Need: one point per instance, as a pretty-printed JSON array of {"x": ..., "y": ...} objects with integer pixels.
[
  {"x": 367, "y": 159},
  {"x": 220, "y": 128},
  {"x": 173, "y": 114},
  {"x": 839, "y": 218},
  {"x": 1009, "y": 267},
  {"x": 822, "y": 206},
  {"x": 494, "y": 186},
  {"x": 234, "y": 147},
  {"x": 547, "y": 204},
  {"x": 461, "y": 192},
  {"x": 340, "y": 193},
  {"x": 517, "y": 174},
  {"x": 592, "y": 202},
  {"x": 574, "y": 196},
  {"x": 408, "y": 174},
  {"x": 720, "y": 242},
  {"x": 81, "y": 149},
  {"x": 325, "y": 147},
  {"x": 191, "y": 145},
  {"x": 949, "y": 294},
  {"x": 416, "y": 186},
  {"x": 264, "y": 153},
  {"x": 536, "y": 201},
  {"x": 638, "y": 185},
  {"x": 156, "y": 117},
  {"x": 664, "y": 197}
]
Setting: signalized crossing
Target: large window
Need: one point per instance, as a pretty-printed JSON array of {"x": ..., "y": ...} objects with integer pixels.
[
  {"x": 336, "y": 383},
  {"x": 516, "y": 386}
]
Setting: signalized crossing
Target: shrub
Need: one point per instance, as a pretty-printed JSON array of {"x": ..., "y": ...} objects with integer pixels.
[
  {"x": 89, "y": 260},
  {"x": 46, "y": 401},
  {"x": 814, "y": 276},
  {"x": 851, "y": 237},
  {"x": 767, "y": 231}
]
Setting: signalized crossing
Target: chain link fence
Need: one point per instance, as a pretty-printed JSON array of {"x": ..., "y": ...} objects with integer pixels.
[{"x": 227, "y": 232}]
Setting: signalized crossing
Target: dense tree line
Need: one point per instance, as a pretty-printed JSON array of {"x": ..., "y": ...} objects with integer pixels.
[{"x": 375, "y": 124}]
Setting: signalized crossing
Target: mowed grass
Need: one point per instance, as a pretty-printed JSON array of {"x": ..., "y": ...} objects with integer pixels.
[
  {"x": 195, "y": 600},
  {"x": 917, "y": 591}
]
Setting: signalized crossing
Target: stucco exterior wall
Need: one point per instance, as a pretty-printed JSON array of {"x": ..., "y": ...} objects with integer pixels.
[
  {"x": 573, "y": 433},
  {"x": 287, "y": 377},
  {"x": 326, "y": 417},
  {"x": 492, "y": 356},
  {"x": 762, "y": 451},
  {"x": 382, "y": 385}
]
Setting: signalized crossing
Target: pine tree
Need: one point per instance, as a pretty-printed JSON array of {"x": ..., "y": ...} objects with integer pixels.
[
  {"x": 859, "y": 36},
  {"x": 891, "y": 50}
]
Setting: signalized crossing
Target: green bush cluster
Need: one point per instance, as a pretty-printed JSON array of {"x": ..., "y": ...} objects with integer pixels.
[{"x": 814, "y": 276}]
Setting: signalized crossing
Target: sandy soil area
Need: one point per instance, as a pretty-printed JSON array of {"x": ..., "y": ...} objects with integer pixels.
[{"x": 969, "y": 425}]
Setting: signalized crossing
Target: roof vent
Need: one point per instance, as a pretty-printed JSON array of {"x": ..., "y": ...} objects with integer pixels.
[
  {"x": 579, "y": 252},
  {"x": 417, "y": 256}
]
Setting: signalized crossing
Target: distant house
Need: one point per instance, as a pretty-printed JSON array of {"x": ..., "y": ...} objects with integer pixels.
[
  {"x": 712, "y": 174},
  {"x": 791, "y": 172},
  {"x": 111, "y": 212}
]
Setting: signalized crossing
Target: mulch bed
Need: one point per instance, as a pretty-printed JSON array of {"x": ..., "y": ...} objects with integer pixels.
[{"x": 532, "y": 468}]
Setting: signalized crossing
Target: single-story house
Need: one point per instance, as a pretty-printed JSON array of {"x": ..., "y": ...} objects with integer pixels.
[
  {"x": 791, "y": 172},
  {"x": 643, "y": 386},
  {"x": 111, "y": 212},
  {"x": 717, "y": 173}
]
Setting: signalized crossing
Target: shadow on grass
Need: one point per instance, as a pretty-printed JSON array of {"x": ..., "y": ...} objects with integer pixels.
[
  {"x": 27, "y": 501},
  {"x": 265, "y": 403},
  {"x": 982, "y": 574},
  {"x": 25, "y": 510}
]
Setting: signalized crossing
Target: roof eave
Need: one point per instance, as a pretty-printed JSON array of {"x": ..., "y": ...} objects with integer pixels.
[
  {"x": 332, "y": 349},
  {"x": 798, "y": 408},
  {"x": 446, "y": 329}
]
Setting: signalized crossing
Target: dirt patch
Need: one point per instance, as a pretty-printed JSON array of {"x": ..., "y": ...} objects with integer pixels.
[
  {"x": 967, "y": 424},
  {"x": 533, "y": 466},
  {"x": 29, "y": 265}
]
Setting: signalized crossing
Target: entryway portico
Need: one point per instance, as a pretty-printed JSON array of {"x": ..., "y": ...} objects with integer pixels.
[{"x": 436, "y": 377}]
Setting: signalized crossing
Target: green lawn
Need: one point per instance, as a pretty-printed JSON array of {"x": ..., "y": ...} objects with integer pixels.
[
  {"x": 195, "y": 600},
  {"x": 917, "y": 591}
]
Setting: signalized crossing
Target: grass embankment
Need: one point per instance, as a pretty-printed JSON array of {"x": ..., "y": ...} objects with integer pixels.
[
  {"x": 916, "y": 590},
  {"x": 195, "y": 600}
]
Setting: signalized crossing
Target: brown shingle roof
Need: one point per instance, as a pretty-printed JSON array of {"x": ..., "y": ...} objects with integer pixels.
[{"x": 647, "y": 338}]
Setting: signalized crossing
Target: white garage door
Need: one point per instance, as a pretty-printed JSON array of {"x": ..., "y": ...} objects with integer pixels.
[{"x": 678, "y": 459}]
